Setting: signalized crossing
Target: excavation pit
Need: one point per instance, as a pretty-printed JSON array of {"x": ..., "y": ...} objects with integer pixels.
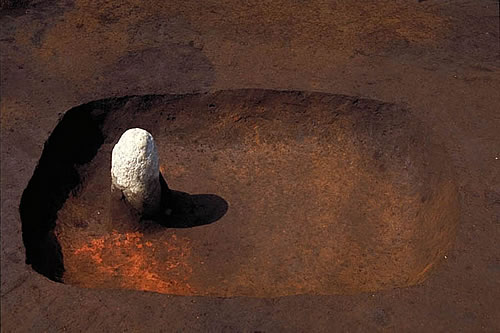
[{"x": 274, "y": 193}]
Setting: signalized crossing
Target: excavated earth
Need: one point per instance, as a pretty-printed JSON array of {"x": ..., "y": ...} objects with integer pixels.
[
  {"x": 326, "y": 194},
  {"x": 334, "y": 166}
]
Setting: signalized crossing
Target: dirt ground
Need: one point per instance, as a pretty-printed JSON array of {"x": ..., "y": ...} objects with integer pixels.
[
  {"x": 291, "y": 193},
  {"x": 440, "y": 59}
]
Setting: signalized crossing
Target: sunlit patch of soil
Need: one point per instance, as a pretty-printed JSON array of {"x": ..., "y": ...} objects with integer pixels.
[{"x": 130, "y": 261}]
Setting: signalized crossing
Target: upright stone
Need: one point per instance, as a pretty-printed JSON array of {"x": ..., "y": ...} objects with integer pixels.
[{"x": 135, "y": 170}]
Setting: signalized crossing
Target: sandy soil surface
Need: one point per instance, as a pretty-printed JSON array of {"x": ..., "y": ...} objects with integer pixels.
[{"x": 439, "y": 59}]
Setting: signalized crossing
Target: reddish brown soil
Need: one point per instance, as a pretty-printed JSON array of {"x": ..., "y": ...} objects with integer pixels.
[
  {"x": 327, "y": 195},
  {"x": 439, "y": 59}
]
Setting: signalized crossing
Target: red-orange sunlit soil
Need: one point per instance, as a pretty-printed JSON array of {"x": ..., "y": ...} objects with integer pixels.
[{"x": 127, "y": 260}]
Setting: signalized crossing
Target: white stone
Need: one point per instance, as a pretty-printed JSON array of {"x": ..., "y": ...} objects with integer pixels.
[{"x": 135, "y": 170}]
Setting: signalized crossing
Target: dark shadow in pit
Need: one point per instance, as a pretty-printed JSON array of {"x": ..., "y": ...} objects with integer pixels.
[
  {"x": 73, "y": 143},
  {"x": 192, "y": 210},
  {"x": 184, "y": 210}
]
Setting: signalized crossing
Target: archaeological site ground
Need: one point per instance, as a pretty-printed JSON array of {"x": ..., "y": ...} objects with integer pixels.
[{"x": 324, "y": 166}]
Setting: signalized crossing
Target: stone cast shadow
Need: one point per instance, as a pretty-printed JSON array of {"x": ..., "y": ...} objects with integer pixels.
[
  {"x": 184, "y": 210},
  {"x": 177, "y": 209}
]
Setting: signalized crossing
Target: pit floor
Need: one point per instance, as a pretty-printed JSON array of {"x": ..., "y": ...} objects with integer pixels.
[
  {"x": 291, "y": 193},
  {"x": 440, "y": 59}
]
